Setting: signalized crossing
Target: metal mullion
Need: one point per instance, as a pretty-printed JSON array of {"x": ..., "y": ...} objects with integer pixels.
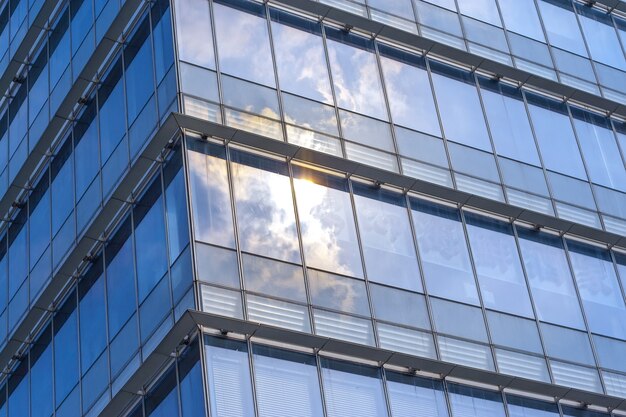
[
  {"x": 177, "y": 73},
  {"x": 320, "y": 377},
  {"x": 548, "y": 44},
  {"x": 78, "y": 347},
  {"x": 381, "y": 74},
  {"x": 462, "y": 25},
  {"x": 53, "y": 366},
  {"x": 440, "y": 120},
  {"x": 481, "y": 304},
  {"x": 384, "y": 387},
  {"x": 585, "y": 167},
  {"x": 332, "y": 90},
  {"x": 168, "y": 255},
  {"x": 195, "y": 286},
  {"x": 307, "y": 287},
  {"x": 617, "y": 274},
  {"x": 596, "y": 367},
  {"x": 205, "y": 372},
  {"x": 490, "y": 136},
  {"x": 107, "y": 351},
  {"x": 539, "y": 155},
  {"x": 532, "y": 302},
  {"x": 617, "y": 34},
  {"x": 429, "y": 308},
  {"x": 366, "y": 280},
  {"x": 122, "y": 50},
  {"x": 252, "y": 375},
  {"x": 134, "y": 252},
  {"x": 233, "y": 208},
  {"x": 591, "y": 60},
  {"x": 177, "y": 387},
  {"x": 218, "y": 72},
  {"x": 281, "y": 106}
]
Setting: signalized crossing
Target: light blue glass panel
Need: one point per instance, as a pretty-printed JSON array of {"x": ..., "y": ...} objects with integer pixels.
[
  {"x": 509, "y": 125},
  {"x": 521, "y": 16},
  {"x": 474, "y": 402},
  {"x": 193, "y": 30},
  {"x": 409, "y": 92},
  {"x": 228, "y": 378},
  {"x": 460, "y": 108},
  {"x": 210, "y": 195},
  {"x": 327, "y": 223},
  {"x": 611, "y": 353},
  {"x": 265, "y": 210},
  {"x": 286, "y": 383},
  {"x": 527, "y": 407},
  {"x": 300, "y": 58},
  {"x": 514, "y": 332},
  {"x": 485, "y": 10},
  {"x": 601, "y": 36},
  {"x": 562, "y": 27},
  {"x": 386, "y": 237},
  {"x": 402, "y": 8},
  {"x": 243, "y": 44},
  {"x": 549, "y": 278},
  {"x": 567, "y": 344},
  {"x": 338, "y": 293},
  {"x": 556, "y": 138},
  {"x": 444, "y": 254},
  {"x": 498, "y": 265},
  {"x": 446, "y": 317},
  {"x": 415, "y": 397},
  {"x": 351, "y": 389},
  {"x": 599, "y": 290},
  {"x": 274, "y": 278},
  {"x": 604, "y": 164},
  {"x": 407, "y": 308},
  {"x": 355, "y": 75}
]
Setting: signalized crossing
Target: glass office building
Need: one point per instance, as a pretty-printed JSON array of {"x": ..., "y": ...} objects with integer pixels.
[{"x": 325, "y": 208}]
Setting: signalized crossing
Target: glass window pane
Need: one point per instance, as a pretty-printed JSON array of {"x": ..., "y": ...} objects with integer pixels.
[
  {"x": 526, "y": 407},
  {"x": 150, "y": 250},
  {"x": 310, "y": 114},
  {"x": 599, "y": 290},
  {"x": 460, "y": 108},
  {"x": 193, "y": 29},
  {"x": 611, "y": 353},
  {"x": 485, "y": 10},
  {"x": 415, "y": 397},
  {"x": 210, "y": 199},
  {"x": 556, "y": 138},
  {"x": 355, "y": 74},
  {"x": 601, "y": 153},
  {"x": 243, "y": 43},
  {"x": 386, "y": 237},
  {"x": 498, "y": 265},
  {"x": 399, "y": 306},
  {"x": 228, "y": 378},
  {"x": 465, "y": 353},
  {"x": 567, "y": 344},
  {"x": 265, "y": 211},
  {"x": 327, "y": 222},
  {"x": 509, "y": 124},
  {"x": 601, "y": 36},
  {"x": 273, "y": 278},
  {"x": 474, "y": 402},
  {"x": 514, "y": 332},
  {"x": 300, "y": 57},
  {"x": 562, "y": 27},
  {"x": 446, "y": 316},
  {"x": 217, "y": 265},
  {"x": 444, "y": 254},
  {"x": 367, "y": 131},
  {"x": 521, "y": 16},
  {"x": 282, "y": 375},
  {"x": 351, "y": 389},
  {"x": 549, "y": 278},
  {"x": 409, "y": 92},
  {"x": 338, "y": 293}
]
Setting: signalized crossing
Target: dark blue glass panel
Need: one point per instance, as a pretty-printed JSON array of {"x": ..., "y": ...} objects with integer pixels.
[
  {"x": 92, "y": 315},
  {"x": 65, "y": 349},
  {"x": 162, "y": 400},
  {"x": 191, "y": 389}
]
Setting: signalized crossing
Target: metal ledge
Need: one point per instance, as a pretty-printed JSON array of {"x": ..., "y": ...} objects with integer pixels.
[
  {"x": 193, "y": 320},
  {"x": 58, "y": 121},
  {"x": 474, "y": 61},
  {"x": 351, "y": 167},
  {"x": 65, "y": 274}
]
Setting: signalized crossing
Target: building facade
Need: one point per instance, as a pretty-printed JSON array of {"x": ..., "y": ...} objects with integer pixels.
[{"x": 313, "y": 208}]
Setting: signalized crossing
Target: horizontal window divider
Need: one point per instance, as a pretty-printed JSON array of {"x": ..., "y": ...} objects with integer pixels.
[
  {"x": 112, "y": 211},
  {"x": 188, "y": 325},
  {"x": 471, "y": 60},
  {"x": 58, "y": 122},
  {"x": 461, "y": 198}
]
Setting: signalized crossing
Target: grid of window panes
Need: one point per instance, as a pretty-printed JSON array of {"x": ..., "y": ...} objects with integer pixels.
[
  {"x": 396, "y": 119},
  {"x": 250, "y": 379},
  {"x": 116, "y": 314},
  {"x": 293, "y": 383},
  {"x": 54, "y": 68},
  {"x": 286, "y": 245},
  {"x": 96, "y": 153},
  {"x": 562, "y": 40}
]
